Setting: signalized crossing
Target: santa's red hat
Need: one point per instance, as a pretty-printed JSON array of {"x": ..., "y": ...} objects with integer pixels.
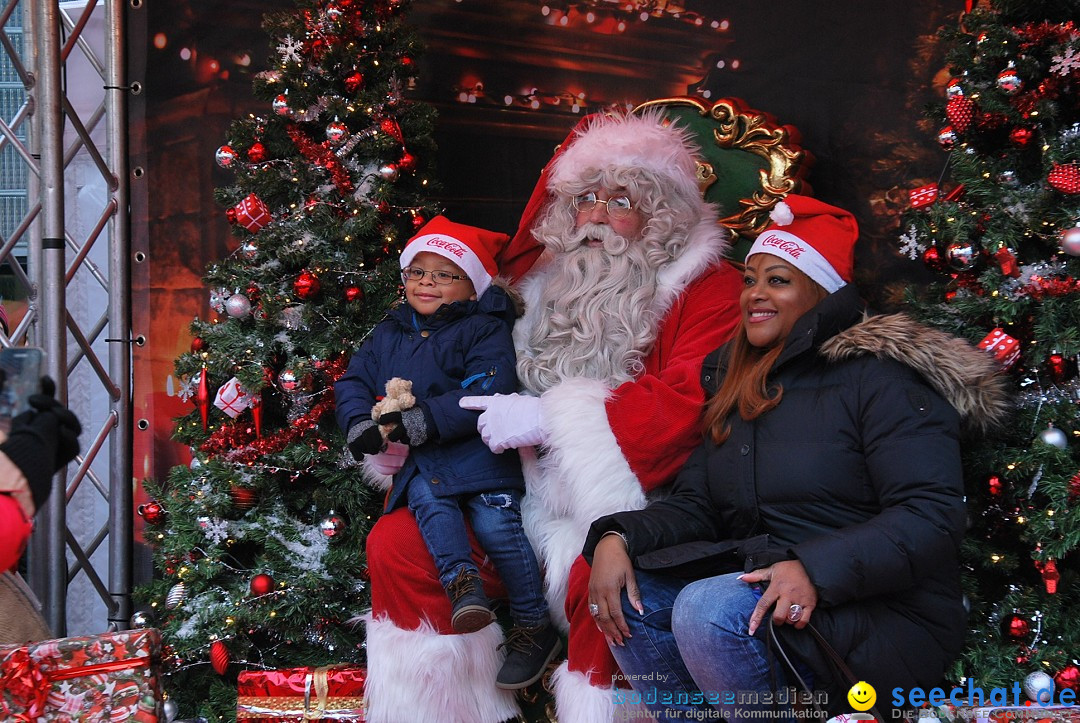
[
  {"x": 472, "y": 249},
  {"x": 814, "y": 237}
]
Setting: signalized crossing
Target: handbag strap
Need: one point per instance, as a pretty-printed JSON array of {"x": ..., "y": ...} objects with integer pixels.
[{"x": 834, "y": 658}]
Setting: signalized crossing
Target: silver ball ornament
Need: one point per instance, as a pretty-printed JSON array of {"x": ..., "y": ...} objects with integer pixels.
[
  {"x": 238, "y": 306},
  {"x": 954, "y": 89},
  {"x": 388, "y": 172},
  {"x": 141, "y": 619},
  {"x": 281, "y": 105},
  {"x": 1039, "y": 687},
  {"x": 288, "y": 380},
  {"x": 1054, "y": 437},
  {"x": 1009, "y": 82},
  {"x": 225, "y": 156},
  {"x": 332, "y": 525},
  {"x": 1070, "y": 240},
  {"x": 249, "y": 249},
  {"x": 171, "y": 710},
  {"x": 1008, "y": 179},
  {"x": 962, "y": 255},
  {"x": 336, "y": 132}
]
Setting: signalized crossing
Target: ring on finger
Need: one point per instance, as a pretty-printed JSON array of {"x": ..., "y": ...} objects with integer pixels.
[
  {"x": 795, "y": 612},
  {"x": 594, "y": 609}
]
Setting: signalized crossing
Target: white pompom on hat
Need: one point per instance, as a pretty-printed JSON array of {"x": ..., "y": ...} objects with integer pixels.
[
  {"x": 472, "y": 249},
  {"x": 814, "y": 237},
  {"x": 644, "y": 141}
]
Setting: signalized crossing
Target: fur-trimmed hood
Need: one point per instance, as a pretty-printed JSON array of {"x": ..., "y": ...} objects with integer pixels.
[{"x": 971, "y": 380}]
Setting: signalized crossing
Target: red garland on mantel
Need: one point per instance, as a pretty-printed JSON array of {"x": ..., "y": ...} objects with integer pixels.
[
  {"x": 237, "y": 442},
  {"x": 321, "y": 155}
]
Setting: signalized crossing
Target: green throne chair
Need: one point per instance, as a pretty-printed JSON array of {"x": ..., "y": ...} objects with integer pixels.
[{"x": 749, "y": 161}]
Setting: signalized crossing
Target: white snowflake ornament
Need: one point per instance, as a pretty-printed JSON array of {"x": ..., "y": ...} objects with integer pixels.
[
  {"x": 289, "y": 49},
  {"x": 1067, "y": 62},
  {"x": 910, "y": 245}
]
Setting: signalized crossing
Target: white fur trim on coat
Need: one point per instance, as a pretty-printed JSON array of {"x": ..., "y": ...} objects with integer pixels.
[
  {"x": 420, "y": 676},
  {"x": 583, "y": 475},
  {"x": 577, "y": 701},
  {"x": 377, "y": 480}
]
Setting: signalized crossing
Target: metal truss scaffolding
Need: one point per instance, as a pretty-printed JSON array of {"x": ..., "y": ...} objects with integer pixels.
[{"x": 68, "y": 255}]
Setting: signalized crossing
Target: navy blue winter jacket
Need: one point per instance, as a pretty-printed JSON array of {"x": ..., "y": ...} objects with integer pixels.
[{"x": 463, "y": 349}]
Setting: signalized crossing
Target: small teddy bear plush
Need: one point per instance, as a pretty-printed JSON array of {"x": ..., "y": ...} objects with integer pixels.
[{"x": 399, "y": 397}]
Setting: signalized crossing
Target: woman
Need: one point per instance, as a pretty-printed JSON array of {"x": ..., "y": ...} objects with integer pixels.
[{"x": 830, "y": 476}]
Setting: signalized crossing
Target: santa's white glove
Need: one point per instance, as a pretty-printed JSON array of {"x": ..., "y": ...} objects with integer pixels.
[
  {"x": 389, "y": 461},
  {"x": 509, "y": 421}
]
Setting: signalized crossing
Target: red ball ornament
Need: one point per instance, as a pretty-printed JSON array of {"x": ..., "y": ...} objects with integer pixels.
[
  {"x": 418, "y": 221},
  {"x": 1015, "y": 627},
  {"x": 1021, "y": 136},
  {"x": 1056, "y": 362},
  {"x": 198, "y": 344},
  {"x": 1065, "y": 177},
  {"x": 262, "y": 584},
  {"x": 354, "y": 81},
  {"x": 932, "y": 258},
  {"x": 230, "y": 215},
  {"x": 219, "y": 657},
  {"x": 960, "y": 111},
  {"x": 995, "y": 486},
  {"x": 243, "y": 498},
  {"x": 382, "y": 207},
  {"x": 354, "y": 293},
  {"x": 1068, "y": 678},
  {"x": 257, "y": 152},
  {"x": 307, "y": 285},
  {"x": 152, "y": 512}
]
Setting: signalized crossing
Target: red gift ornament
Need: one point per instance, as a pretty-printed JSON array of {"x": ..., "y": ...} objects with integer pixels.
[
  {"x": 307, "y": 285},
  {"x": 219, "y": 657},
  {"x": 252, "y": 213},
  {"x": 923, "y": 195},
  {"x": 960, "y": 111},
  {"x": 1002, "y": 347},
  {"x": 1065, "y": 177}
]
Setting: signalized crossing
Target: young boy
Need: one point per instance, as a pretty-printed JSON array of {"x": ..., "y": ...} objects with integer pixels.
[{"x": 452, "y": 339}]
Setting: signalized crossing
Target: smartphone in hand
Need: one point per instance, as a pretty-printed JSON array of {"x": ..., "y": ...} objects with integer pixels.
[{"x": 21, "y": 368}]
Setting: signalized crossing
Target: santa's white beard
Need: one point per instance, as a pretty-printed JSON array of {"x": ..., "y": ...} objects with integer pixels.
[{"x": 594, "y": 316}]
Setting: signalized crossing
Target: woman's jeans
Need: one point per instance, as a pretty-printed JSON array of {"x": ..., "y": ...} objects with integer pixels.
[{"x": 690, "y": 657}]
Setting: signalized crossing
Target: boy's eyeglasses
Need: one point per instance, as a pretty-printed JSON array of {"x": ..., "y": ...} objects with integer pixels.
[
  {"x": 412, "y": 273},
  {"x": 618, "y": 207}
]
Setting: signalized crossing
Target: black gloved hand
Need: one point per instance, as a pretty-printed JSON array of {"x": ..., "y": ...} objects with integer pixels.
[
  {"x": 414, "y": 426},
  {"x": 365, "y": 438},
  {"x": 42, "y": 440}
]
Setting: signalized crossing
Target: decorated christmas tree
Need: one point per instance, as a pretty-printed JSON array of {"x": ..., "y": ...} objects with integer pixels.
[
  {"x": 259, "y": 542},
  {"x": 1003, "y": 231}
]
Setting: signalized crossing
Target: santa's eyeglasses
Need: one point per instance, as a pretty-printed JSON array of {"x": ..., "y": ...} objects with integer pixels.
[
  {"x": 442, "y": 278},
  {"x": 618, "y": 207}
]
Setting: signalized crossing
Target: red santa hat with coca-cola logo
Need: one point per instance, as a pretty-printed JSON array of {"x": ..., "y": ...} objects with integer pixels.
[
  {"x": 814, "y": 237},
  {"x": 472, "y": 249}
]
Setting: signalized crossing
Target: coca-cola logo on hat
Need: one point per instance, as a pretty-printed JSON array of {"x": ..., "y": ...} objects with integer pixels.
[
  {"x": 452, "y": 246},
  {"x": 782, "y": 243}
]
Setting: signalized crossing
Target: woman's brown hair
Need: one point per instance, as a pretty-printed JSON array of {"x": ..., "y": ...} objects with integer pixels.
[{"x": 744, "y": 386}]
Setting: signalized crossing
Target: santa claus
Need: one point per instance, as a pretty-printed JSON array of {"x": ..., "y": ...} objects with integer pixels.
[{"x": 628, "y": 295}]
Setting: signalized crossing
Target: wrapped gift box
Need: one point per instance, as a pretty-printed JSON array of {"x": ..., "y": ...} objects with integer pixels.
[
  {"x": 1002, "y": 347},
  {"x": 109, "y": 677},
  {"x": 332, "y": 693}
]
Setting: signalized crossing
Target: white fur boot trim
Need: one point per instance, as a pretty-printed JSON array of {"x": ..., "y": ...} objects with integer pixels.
[
  {"x": 578, "y": 701},
  {"x": 420, "y": 676}
]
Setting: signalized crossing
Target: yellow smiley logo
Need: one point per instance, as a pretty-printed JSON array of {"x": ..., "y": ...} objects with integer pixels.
[{"x": 862, "y": 696}]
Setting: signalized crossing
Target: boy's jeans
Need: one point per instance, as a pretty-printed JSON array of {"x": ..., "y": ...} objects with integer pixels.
[{"x": 495, "y": 518}]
